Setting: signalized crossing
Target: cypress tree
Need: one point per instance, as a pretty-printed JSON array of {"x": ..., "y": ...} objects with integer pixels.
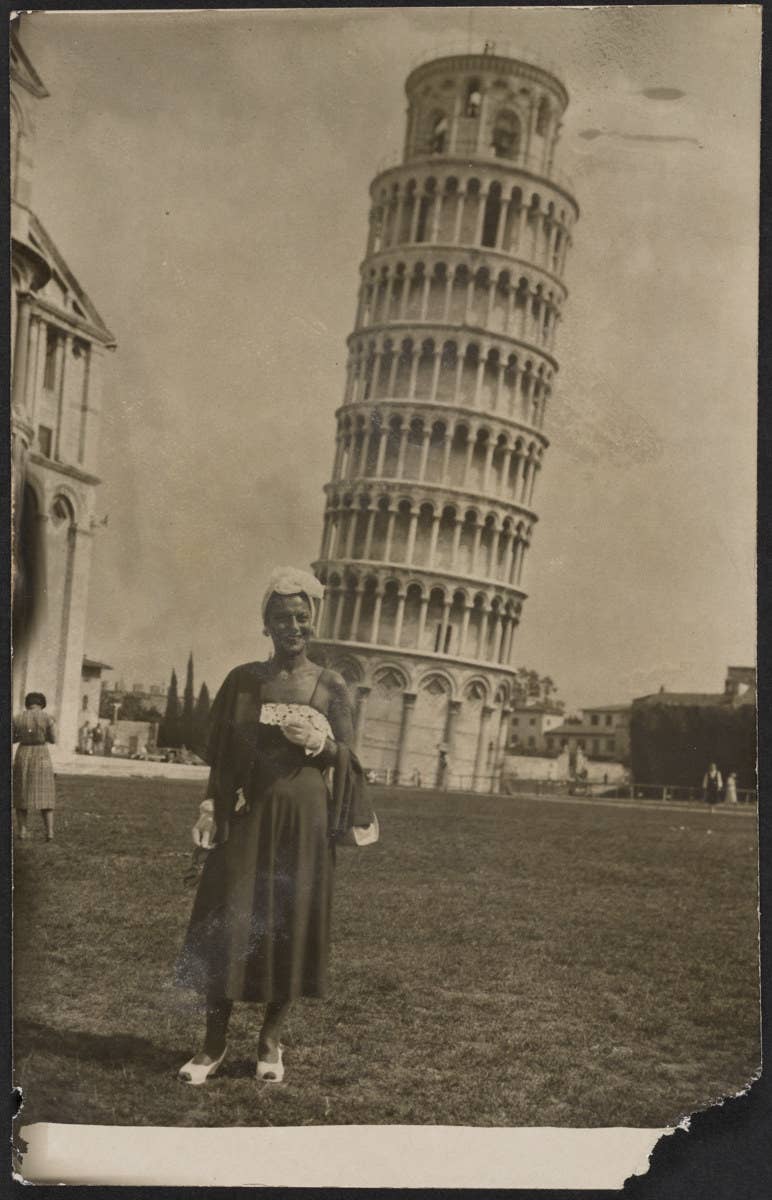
[
  {"x": 187, "y": 731},
  {"x": 201, "y": 719},
  {"x": 169, "y": 729}
]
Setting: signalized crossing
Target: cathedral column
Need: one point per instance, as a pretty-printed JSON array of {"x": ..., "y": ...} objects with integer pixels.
[
  {"x": 510, "y": 641},
  {"x": 362, "y": 693},
  {"x": 461, "y": 355},
  {"x": 470, "y": 445},
  {"x": 480, "y": 650},
  {"x": 479, "y": 761},
  {"x": 498, "y": 637},
  {"x": 21, "y": 355},
  {"x": 436, "y": 211},
  {"x": 63, "y": 349},
  {"x": 425, "y": 439},
  {"x": 408, "y": 708},
  {"x": 521, "y": 563},
  {"x": 446, "y": 451}
]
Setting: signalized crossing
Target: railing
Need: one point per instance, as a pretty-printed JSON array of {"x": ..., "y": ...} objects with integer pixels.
[
  {"x": 530, "y": 163},
  {"x": 489, "y": 49},
  {"x": 494, "y": 784}
]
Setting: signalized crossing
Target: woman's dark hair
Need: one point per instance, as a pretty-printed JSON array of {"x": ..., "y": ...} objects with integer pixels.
[{"x": 33, "y": 698}]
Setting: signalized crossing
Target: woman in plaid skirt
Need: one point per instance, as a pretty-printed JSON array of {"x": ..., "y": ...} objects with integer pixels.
[{"x": 33, "y": 772}]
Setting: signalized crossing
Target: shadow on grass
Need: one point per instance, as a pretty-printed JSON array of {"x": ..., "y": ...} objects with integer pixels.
[{"x": 116, "y": 1051}]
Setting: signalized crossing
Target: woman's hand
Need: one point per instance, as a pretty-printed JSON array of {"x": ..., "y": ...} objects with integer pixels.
[{"x": 301, "y": 732}]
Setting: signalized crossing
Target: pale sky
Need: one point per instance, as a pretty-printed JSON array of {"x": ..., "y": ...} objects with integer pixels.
[{"x": 206, "y": 177}]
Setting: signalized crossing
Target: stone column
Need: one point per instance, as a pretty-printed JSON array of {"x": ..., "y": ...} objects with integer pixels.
[
  {"x": 454, "y": 708},
  {"x": 458, "y": 529},
  {"x": 498, "y": 637},
  {"x": 479, "y": 378},
  {"x": 400, "y": 617},
  {"x": 411, "y": 535},
  {"x": 350, "y": 533},
  {"x": 482, "y": 739},
  {"x": 462, "y": 647},
  {"x": 353, "y": 637},
  {"x": 476, "y": 546},
  {"x": 383, "y": 437},
  {"x": 422, "y": 620},
  {"x": 471, "y": 441},
  {"x": 446, "y": 607},
  {"x": 363, "y": 691},
  {"x": 389, "y": 535},
  {"x": 376, "y": 629},
  {"x": 404, "y": 432},
  {"x": 433, "y": 542},
  {"x": 480, "y": 215},
  {"x": 436, "y": 364},
  {"x": 522, "y": 225},
  {"x": 486, "y": 484},
  {"x": 425, "y": 439},
  {"x": 425, "y": 295},
  {"x": 460, "y": 200},
  {"x": 408, "y": 708},
  {"x": 21, "y": 355},
  {"x": 372, "y": 516},
  {"x": 70, "y": 665},
  {"x": 503, "y": 742},
  {"x": 341, "y": 594},
  {"x": 446, "y": 451},
  {"x": 63, "y": 348}
]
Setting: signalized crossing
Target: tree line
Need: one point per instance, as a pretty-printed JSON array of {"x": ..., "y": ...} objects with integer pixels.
[{"x": 185, "y": 724}]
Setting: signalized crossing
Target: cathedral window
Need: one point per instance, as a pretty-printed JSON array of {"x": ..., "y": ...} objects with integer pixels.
[
  {"x": 45, "y": 440},
  {"x": 49, "y": 372}
]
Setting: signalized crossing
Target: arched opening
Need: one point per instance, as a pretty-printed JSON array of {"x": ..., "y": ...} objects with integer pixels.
[
  {"x": 472, "y": 98},
  {"x": 446, "y": 382},
  {"x": 506, "y": 134},
  {"x": 411, "y": 617},
  {"x": 438, "y": 138},
  {"x": 492, "y": 215},
  {"x": 425, "y": 209},
  {"x": 543, "y": 117}
]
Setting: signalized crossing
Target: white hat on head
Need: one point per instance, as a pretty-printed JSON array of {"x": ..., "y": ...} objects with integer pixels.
[{"x": 291, "y": 581}]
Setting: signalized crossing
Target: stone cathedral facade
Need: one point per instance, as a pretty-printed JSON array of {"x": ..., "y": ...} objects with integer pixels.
[
  {"x": 430, "y": 508},
  {"x": 58, "y": 347}
]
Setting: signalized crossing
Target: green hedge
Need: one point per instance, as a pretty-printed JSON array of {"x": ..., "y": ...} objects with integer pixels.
[{"x": 674, "y": 744}]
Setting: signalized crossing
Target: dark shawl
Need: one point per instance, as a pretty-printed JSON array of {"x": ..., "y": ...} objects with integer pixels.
[{"x": 232, "y": 755}]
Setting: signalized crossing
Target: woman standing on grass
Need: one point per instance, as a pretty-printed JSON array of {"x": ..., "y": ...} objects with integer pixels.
[
  {"x": 260, "y": 926},
  {"x": 32, "y": 779}
]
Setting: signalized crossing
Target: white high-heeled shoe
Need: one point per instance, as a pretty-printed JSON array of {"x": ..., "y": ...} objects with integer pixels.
[
  {"x": 195, "y": 1074},
  {"x": 271, "y": 1072}
]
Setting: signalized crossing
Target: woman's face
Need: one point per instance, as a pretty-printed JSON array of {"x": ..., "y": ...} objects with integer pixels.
[{"x": 288, "y": 621}]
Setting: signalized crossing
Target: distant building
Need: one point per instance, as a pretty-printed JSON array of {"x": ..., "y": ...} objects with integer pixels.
[
  {"x": 530, "y": 724},
  {"x": 739, "y": 690},
  {"x": 91, "y": 689},
  {"x": 151, "y": 697},
  {"x": 600, "y": 733}
]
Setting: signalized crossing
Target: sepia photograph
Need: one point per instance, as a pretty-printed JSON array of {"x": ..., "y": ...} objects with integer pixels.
[{"x": 383, "y": 472}]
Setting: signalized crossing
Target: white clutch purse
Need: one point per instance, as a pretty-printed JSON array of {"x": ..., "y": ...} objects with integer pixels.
[{"x": 361, "y": 835}]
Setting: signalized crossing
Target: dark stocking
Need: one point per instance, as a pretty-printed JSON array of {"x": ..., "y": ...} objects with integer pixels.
[{"x": 218, "y": 1013}]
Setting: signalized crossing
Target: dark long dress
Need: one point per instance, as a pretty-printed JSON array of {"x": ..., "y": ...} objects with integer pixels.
[{"x": 260, "y": 926}]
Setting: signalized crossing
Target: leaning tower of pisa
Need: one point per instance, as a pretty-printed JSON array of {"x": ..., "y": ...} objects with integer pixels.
[{"x": 430, "y": 508}]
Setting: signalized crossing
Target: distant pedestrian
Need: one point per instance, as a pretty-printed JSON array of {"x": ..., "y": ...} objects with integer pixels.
[
  {"x": 32, "y": 780},
  {"x": 108, "y": 743},
  {"x": 712, "y": 785},
  {"x": 731, "y": 788}
]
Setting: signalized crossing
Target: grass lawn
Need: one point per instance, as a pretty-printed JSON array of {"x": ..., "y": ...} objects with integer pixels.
[{"x": 496, "y": 961}]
